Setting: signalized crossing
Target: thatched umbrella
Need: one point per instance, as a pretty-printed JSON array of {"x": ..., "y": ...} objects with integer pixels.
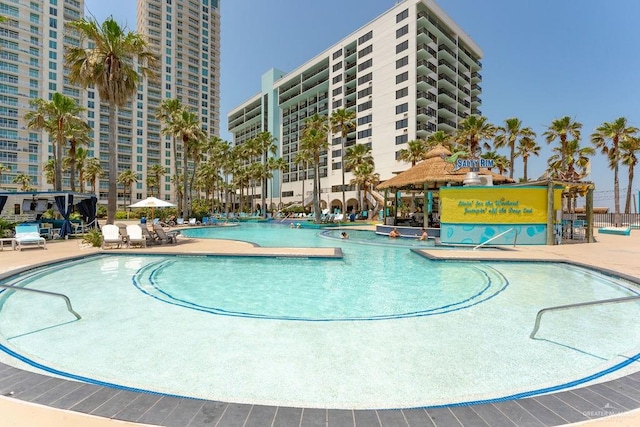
[{"x": 435, "y": 172}]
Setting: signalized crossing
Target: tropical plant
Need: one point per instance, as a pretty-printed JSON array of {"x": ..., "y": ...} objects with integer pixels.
[
  {"x": 314, "y": 142},
  {"x": 275, "y": 164},
  {"x": 303, "y": 159},
  {"x": 167, "y": 113},
  {"x": 628, "y": 149},
  {"x": 111, "y": 63},
  {"x": 267, "y": 149},
  {"x": 562, "y": 129},
  {"x": 616, "y": 131},
  {"x": 526, "y": 148},
  {"x": 572, "y": 163},
  {"x": 57, "y": 117},
  {"x": 157, "y": 172},
  {"x": 92, "y": 171},
  {"x": 440, "y": 138},
  {"x": 342, "y": 121},
  {"x": 472, "y": 131},
  {"x": 24, "y": 180},
  {"x": 355, "y": 157},
  {"x": 364, "y": 178},
  {"x": 78, "y": 135},
  {"x": 415, "y": 152},
  {"x": 6, "y": 228},
  {"x": 509, "y": 135},
  {"x": 81, "y": 159},
  {"x": 127, "y": 179},
  {"x": 93, "y": 237}
]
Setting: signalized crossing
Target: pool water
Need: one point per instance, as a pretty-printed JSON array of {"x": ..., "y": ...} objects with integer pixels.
[{"x": 381, "y": 328}]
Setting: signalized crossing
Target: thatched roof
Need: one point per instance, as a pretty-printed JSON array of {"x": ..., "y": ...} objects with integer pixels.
[{"x": 436, "y": 172}]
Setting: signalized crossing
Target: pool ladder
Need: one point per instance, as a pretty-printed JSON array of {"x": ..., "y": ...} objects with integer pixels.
[
  {"x": 55, "y": 294},
  {"x": 580, "y": 304}
]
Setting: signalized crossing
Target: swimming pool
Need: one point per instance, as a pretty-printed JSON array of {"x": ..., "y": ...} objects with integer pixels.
[{"x": 380, "y": 328}]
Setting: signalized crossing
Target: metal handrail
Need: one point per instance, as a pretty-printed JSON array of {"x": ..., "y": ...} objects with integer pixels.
[
  {"x": 580, "y": 304},
  {"x": 501, "y": 234},
  {"x": 66, "y": 298}
]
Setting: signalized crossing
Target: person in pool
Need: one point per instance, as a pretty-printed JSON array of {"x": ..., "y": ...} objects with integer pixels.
[
  {"x": 344, "y": 235},
  {"x": 424, "y": 235},
  {"x": 394, "y": 233}
]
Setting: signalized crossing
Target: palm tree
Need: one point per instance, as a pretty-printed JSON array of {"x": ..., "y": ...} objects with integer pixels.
[
  {"x": 24, "y": 180},
  {"x": 304, "y": 159},
  {"x": 616, "y": 131},
  {"x": 342, "y": 121},
  {"x": 49, "y": 169},
  {"x": 472, "y": 130},
  {"x": 168, "y": 111},
  {"x": 628, "y": 149},
  {"x": 440, "y": 137},
  {"x": 57, "y": 117},
  {"x": 562, "y": 129},
  {"x": 572, "y": 164},
  {"x": 92, "y": 171},
  {"x": 157, "y": 172},
  {"x": 127, "y": 179},
  {"x": 275, "y": 164},
  {"x": 415, "y": 152},
  {"x": 186, "y": 128},
  {"x": 111, "y": 64},
  {"x": 267, "y": 148},
  {"x": 356, "y": 156},
  {"x": 81, "y": 158},
  {"x": 314, "y": 141},
  {"x": 3, "y": 168},
  {"x": 365, "y": 178},
  {"x": 78, "y": 135},
  {"x": 508, "y": 135},
  {"x": 527, "y": 147}
]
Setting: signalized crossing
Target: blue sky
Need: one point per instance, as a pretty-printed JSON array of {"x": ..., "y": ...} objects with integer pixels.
[{"x": 542, "y": 60}]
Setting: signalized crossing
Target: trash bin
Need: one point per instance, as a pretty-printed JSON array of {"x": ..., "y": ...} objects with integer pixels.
[
  {"x": 352, "y": 217},
  {"x": 143, "y": 220}
]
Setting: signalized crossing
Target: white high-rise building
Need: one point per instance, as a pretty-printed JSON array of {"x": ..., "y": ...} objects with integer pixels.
[
  {"x": 32, "y": 44},
  {"x": 408, "y": 73},
  {"x": 184, "y": 33}
]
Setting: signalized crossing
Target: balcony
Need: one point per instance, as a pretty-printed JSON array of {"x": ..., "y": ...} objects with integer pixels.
[
  {"x": 476, "y": 77},
  {"x": 446, "y": 123},
  {"x": 447, "y": 81},
  {"x": 446, "y": 110},
  {"x": 446, "y": 52},
  {"x": 448, "y": 67},
  {"x": 446, "y": 92},
  {"x": 424, "y": 63}
]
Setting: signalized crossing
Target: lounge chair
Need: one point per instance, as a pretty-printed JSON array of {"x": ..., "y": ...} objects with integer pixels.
[
  {"x": 111, "y": 236},
  {"x": 28, "y": 234},
  {"x": 165, "y": 237},
  {"x": 205, "y": 220},
  {"x": 151, "y": 239},
  {"x": 134, "y": 231},
  {"x": 180, "y": 221},
  {"x": 192, "y": 221}
]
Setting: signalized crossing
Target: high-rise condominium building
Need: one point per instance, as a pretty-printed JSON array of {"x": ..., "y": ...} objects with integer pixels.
[
  {"x": 32, "y": 44},
  {"x": 406, "y": 74},
  {"x": 184, "y": 33}
]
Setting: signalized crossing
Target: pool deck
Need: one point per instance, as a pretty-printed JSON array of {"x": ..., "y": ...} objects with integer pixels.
[{"x": 30, "y": 399}]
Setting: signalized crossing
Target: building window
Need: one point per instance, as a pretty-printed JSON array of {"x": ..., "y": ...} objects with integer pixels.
[
  {"x": 402, "y": 15},
  {"x": 402, "y": 108},
  {"x": 337, "y": 91},
  {"x": 337, "y": 79},
  {"x": 402, "y": 31},
  {"x": 365, "y": 78},
  {"x": 337, "y": 104},
  {"x": 402, "y": 46},
  {"x": 337, "y": 54},
  {"x": 402, "y": 77},
  {"x": 364, "y": 92},
  {"x": 400, "y": 124},
  {"x": 402, "y": 139},
  {"x": 367, "y": 50},
  {"x": 364, "y": 120},
  {"x": 402, "y": 62},
  {"x": 366, "y": 64},
  {"x": 337, "y": 66},
  {"x": 364, "y": 133},
  {"x": 365, "y": 106},
  {"x": 366, "y": 37}
]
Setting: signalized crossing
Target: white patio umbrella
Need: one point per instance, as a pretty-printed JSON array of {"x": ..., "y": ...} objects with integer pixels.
[{"x": 152, "y": 202}]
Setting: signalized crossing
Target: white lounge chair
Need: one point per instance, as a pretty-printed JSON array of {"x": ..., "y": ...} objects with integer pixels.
[
  {"x": 192, "y": 221},
  {"x": 111, "y": 236},
  {"x": 29, "y": 234},
  {"x": 164, "y": 236},
  {"x": 134, "y": 231}
]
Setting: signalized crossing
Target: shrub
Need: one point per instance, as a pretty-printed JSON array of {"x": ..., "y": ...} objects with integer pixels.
[{"x": 93, "y": 237}]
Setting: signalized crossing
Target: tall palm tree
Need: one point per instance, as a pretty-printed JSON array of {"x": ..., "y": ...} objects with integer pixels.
[
  {"x": 440, "y": 137},
  {"x": 3, "y": 168},
  {"x": 303, "y": 159},
  {"x": 111, "y": 64},
  {"x": 356, "y": 156},
  {"x": 49, "y": 169},
  {"x": 78, "y": 135},
  {"x": 562, "y": 129},
  {"x": 572, "y": 163},
  {"x": 127, "y": 179},
  {"x": 56, "y": 117},
  {"x": 342, "y": 121},
  {"x": 616, "y": 131},
  {"x": 187, "y": 128},
  {"x": 92, "y": 171},
  {"x": 314, "y": 141},
  {"x": 508, "y": 136},
  {"x": 472, "y": 130},
  {"x": 267, "y": 148},
  {"x": 628, "y": 149},
  {"x": 365, "y": 178},
  {"x": 526, "y": 148},
  {"x": 81, "y": 159},
  {"x": 168, "y": 111},
  {"x": 157, "y": 172},
  {"x": 24, "y": 180},
  {"x": 415, "y": 152},
  {"x": 275, "y": 164}
]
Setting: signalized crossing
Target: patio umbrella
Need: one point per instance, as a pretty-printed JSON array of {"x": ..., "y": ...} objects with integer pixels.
[{"x": 152, "y": 202}]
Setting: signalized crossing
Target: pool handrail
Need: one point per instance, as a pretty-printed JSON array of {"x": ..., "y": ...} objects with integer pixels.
[
  {"x": 63, "y": 296},
  {"x": 580, "y": 304},
  {"x": 501, "y": 234}
]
